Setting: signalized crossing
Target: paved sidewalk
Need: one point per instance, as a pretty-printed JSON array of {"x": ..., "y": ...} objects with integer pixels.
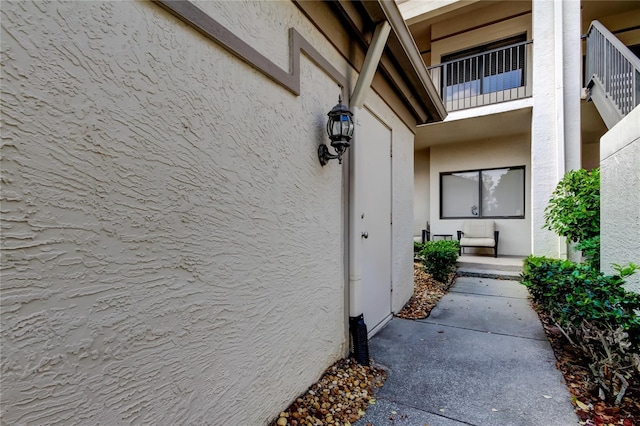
[{"x": 481, "y": 358}]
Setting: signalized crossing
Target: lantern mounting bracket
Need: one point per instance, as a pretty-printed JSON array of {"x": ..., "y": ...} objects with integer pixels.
[{"x": 324, "y": 155}]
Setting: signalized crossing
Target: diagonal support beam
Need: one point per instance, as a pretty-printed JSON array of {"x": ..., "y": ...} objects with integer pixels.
[{"x": 371, "y": 61}]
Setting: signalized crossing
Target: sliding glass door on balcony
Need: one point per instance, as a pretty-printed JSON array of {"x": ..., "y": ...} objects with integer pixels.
[{"x": 496, "y": 75}]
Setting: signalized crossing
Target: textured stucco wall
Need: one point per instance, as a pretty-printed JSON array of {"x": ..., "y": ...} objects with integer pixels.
[
  {"x": 555, "y": 123},
  {"x": 402, "y": 216},
  {"x": 620, "y": 196},
  {"x": 173, "y": 252},
  {"x": 453, "y": 35},
  {"x": 515, "y": 236},
  {"x": 547, "y": 170},
  {"x": 421, "y": 191}
]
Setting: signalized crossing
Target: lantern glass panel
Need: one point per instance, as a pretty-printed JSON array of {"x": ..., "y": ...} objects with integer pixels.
[
  {"x": 336, "y": 128},
  {"x": 342, "y": 126},
  {"x": 349, "y": 125}
]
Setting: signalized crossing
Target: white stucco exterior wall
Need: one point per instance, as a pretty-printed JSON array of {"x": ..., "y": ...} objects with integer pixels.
[
  {"x": 555, "y": 124},
  {"x": 515, "y": 238},
  {"x": 402, "y": 216},
  {"x": 173, "y": 252},
  {"x": 446, "y": 42},
  {"x": 620, "y": 196},
  {"x": 421, "y": 191},
  {"x": 572, "y": 82}
]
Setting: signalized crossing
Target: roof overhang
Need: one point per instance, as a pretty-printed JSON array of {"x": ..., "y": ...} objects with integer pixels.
[
  {"x": 401, "y": 70},
  {"x": 414, "y": 11},
  {"x": 403, "y": 48}
]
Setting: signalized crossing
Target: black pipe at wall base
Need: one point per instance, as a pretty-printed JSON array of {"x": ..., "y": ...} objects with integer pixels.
[{"x": 359, "y": 340}]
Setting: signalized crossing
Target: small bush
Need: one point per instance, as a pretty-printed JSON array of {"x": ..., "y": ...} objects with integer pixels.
[
  {"x": 440, "y": 257},
  {"x": 546, "y": 278},
  {"x": 574, "y": 292},
  {"x": 596, "y": 313},
  {"x": 417, "y": 246},
  {"x": 591, "y": 251},
  {"x": 574, "y": 208}
]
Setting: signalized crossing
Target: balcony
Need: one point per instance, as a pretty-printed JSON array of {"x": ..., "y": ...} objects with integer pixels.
[
  {"x": 490, "y": 77},
  {"x": 612, "y": 74}
]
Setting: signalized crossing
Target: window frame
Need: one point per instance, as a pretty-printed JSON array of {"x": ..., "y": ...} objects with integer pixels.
[{"x": 480, "y": 195}]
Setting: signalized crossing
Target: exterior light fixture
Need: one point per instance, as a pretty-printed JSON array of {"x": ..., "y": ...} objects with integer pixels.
[{"x": 340, "y": 130}]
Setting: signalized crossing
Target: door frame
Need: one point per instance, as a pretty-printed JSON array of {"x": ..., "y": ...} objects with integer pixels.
[{"x": 356, "y": 183}]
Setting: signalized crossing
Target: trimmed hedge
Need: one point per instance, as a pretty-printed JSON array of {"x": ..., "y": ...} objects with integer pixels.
[
  {"x": 440, "y": 257},
  {"x": 596, "y": 313}
]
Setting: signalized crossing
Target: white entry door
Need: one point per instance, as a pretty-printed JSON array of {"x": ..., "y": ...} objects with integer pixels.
[{"x": 375, "y": 173}]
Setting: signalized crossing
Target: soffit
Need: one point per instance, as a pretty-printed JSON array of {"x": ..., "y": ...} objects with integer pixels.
[
  {"x": 592, "y": 10},
  {"x": 398, "y": 71},
  {"x": 402, "y": 50},
  {"x": 420, "y": 25},
  {"x": 415, "y": 11},
  {"x": 484, "y": 127},
  {"x": 472, "y": 15}
]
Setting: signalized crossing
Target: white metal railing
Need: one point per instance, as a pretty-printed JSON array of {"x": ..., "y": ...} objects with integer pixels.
[
  {"x": 494, "y": 76},
  {"x": 614, "y": 67}
]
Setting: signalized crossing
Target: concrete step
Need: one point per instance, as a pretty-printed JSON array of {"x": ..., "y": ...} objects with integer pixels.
[
  {"x": 502, "y": 267},
  {"x": 488, "y": 273}
]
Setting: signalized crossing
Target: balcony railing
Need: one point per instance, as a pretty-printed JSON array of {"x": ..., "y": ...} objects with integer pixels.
[
  {"x": 490, "y": 77},
  {"x": 612, "y": 74}
]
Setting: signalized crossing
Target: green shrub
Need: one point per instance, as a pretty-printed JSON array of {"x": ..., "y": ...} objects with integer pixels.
[
  {"x": 440, "y": 257},
  {"x": 595, "y": 312},
  {"x": 574, "y": 208},
  {"x": 541, "y": 276},
  {"x": 591, "y": 251},
  {"x": 417, "y": 246}
]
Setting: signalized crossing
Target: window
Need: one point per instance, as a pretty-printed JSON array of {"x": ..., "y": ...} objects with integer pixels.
[
  {"x": 485, "y": 69},
  {"x": 488, "y": 193}
]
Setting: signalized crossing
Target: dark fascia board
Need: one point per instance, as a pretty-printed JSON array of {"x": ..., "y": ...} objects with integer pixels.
[
  {"x": 350, "y": 32},
  {"x": 405, "y": 52},
  {"x": 401, "y": 62},
  {"x": 401, "y": 68}
]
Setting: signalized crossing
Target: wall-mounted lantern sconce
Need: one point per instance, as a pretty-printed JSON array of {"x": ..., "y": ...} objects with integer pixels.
[{"x": 340, "y": 129}]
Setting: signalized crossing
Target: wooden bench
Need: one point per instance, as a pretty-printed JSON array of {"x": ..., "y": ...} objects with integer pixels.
[{"x": 479, "y": 234}]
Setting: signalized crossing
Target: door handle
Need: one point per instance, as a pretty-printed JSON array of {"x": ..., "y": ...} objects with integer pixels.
[{"x": 365, "y": 234}]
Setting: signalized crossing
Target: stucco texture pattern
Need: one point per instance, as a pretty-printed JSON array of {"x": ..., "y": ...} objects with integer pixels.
[
  {"x": 620, "y": 197},
  {"x": 547, "y": 128},
  {"x": 173, "y": 251},
  {"x": 402, "y": 217}
]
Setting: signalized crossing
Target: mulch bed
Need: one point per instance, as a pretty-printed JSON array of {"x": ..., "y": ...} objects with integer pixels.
[
  {"x": 426, "y": 293},
  {"x": 590, "y": 409}
]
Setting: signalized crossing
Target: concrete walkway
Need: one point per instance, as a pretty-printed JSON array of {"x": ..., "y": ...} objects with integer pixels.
[{"x": 481, "y": 358}]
